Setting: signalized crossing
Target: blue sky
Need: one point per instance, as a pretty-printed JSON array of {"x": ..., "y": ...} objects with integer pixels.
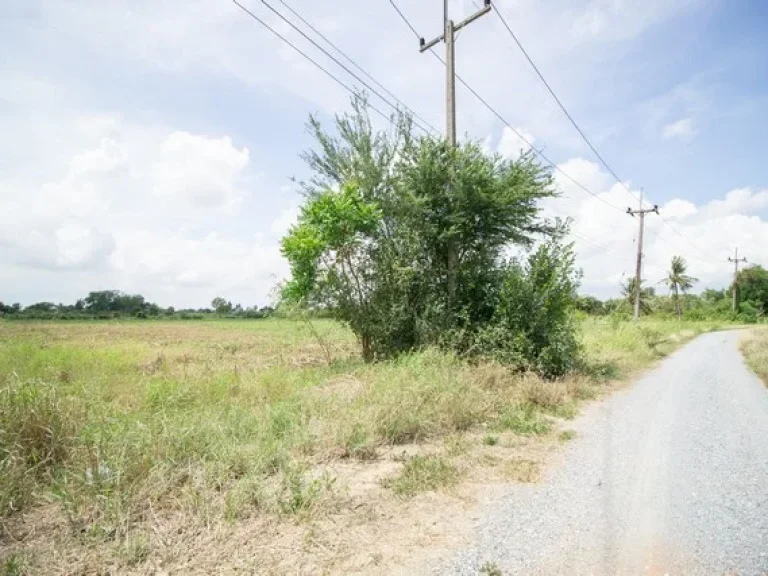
[{"x": 149, "y": 145}]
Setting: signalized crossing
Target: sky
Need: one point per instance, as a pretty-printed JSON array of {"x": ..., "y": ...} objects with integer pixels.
[{"x": 151, "y": 146}]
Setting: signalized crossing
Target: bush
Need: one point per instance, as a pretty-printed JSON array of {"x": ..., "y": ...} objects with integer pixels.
[
  {"x": 533, "y": 326},
  {"x": 404, "y": 239}
]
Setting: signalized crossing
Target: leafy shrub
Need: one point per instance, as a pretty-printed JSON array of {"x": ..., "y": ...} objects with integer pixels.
[
  {"x": 533, "y": 326},
  {"x": 404, "y": 240}
]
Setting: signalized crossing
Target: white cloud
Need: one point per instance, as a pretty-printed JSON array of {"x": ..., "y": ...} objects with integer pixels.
[
  {"x": 681, "y": 130},
  {"x": 704, "y": 234},
  {"x": 738, "y": 201},
  {"x": 98, "y": 188},
  {"x": 511, "y": 145},
  {"x": 145, "y": 210},
  {"x": 284, "y": 221},
  {"x": 200, "y": 171}
]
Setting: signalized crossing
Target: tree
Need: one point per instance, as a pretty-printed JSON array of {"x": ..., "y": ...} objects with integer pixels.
[
  {"x": 678, "y": 281},
  {"x": 646, "y": 294},
  {"x": 590, "y": 305},
  {"x": 10, "y": 309},
  {"x": 752, "y": 286},
  {"x": 221, "y": 306},
  {"x": 405, "y": 239}
]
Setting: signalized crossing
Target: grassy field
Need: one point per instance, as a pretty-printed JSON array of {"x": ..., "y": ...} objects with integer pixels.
[
  {"x": 116, "y": 437},
  {"x": 754, "y": 346}
]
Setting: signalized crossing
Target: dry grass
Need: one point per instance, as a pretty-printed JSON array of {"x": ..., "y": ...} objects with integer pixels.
[
  {"x": 142, "y": 446},
  {"x": 754, "y": 346}
]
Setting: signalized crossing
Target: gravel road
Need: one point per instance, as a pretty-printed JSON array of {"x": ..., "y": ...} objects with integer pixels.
[{"x": 669, "y": 476}]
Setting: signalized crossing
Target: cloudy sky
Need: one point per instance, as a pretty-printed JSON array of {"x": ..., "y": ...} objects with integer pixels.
[{"x": 149, "y": 145}]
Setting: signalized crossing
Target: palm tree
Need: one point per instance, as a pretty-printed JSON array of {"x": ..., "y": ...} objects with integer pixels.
[
  {"x": 678, "y": 281},
  {"x": 628, "y": 291}
]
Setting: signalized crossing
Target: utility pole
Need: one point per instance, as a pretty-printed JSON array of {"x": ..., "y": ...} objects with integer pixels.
[
  {"x": 449, "y": 36},
  {"x": 735, "y": 261},
  {"x": 638, "y": 269}
]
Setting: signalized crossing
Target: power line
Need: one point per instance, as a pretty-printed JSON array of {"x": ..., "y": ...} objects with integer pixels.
[
  {"x": 575, "y": 124},
  {"x": 560, "y": 103},
  {"x": 356, "y": 65},
  {"x": 407, "y": 23},
  {"x": 539, "y": 152},
  {"x": 485, "y": 103},
  {"x": 309, "y": 58},
  {"x": 336, "y": 60}
]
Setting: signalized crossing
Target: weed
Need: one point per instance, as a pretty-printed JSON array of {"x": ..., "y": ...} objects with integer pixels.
[
  {"x": 245, "y": 498},
  {"x": 14, "y": 565},
  {"x": 566, "y": 435},
  {"x": 489, "y": 440},
  {"x": 358, "y": 444},
  {"x": 422, "y": 473},
  {"x": 456, "y": 445},
  {"x": 491, "y": 569},
  {"x": 523, "y": 419},
  {"x": 135, "y": 549},
  {"x": 298, "y": 494},
  {"x": 566, "y": 410}
]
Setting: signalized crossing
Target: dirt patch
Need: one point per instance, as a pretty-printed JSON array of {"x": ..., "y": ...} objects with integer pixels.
[{"x": 364, "y": 528}]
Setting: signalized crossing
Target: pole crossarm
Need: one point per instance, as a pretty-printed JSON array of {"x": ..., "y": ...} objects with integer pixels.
[{"x": 424, "y": 45}]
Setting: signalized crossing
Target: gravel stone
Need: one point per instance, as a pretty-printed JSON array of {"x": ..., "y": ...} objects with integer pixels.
[{"x": 669, "y": 476}]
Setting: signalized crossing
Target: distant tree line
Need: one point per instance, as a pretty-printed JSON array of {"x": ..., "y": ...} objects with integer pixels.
[
  {"x": 751, "y": 293},
  {"x": 109, "y": 304}
]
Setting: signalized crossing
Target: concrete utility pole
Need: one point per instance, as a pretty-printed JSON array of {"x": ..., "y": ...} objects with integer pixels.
[
  {"x": 638, "y": 269},
  {"x": 735, "y": 261},
  {"x": 449, "y": 35}
]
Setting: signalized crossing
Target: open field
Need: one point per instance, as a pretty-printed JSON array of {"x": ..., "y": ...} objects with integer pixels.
[{"x": 140, "y": 446}]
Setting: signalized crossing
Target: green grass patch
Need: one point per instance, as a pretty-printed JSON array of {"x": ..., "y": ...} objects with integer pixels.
[
  {"x": 523, "y": 419},
  {"x": 421, "y": 474},
  {"x": 490, "y": 440}
]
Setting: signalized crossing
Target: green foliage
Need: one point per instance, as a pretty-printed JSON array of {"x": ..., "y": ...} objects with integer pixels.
[
  {"x": 403, "y": 240},
  {"x": 113, "y": 304},
  {"x": 490, "y": 440},
  {"x": 523, "y": 419},
  {"x": 14, "y": 565},
  {"x": 590, "y": 305},
  {"x": 533, "y": 323},
  {"x": 679, "y": 281},
  {"x": 221, "y": 306},
  {"x": 752, "y": 286},
  {"x": 422, "y": 473},
  {"x": 646, "y": 296}
]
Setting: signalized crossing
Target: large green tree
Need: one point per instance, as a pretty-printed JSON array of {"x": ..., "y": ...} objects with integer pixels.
[
  {"x": 404, "y": 239},
  {"x": 751, "y": 285},
  {"x": 678, "y": 281}
]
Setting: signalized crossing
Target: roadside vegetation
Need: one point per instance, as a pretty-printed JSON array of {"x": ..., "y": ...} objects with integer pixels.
[
  {"x": 431, "y": 332},
  {"x": 754, "y": 346},
  {"x": 109, "y": 429}
]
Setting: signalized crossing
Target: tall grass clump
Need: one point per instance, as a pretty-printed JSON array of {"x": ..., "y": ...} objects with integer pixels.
[{"x": 37, "y": 434}]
